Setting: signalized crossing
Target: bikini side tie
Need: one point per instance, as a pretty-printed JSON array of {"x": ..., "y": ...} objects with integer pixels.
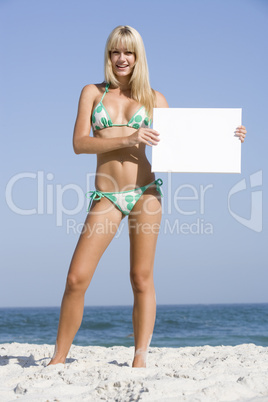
[
  {"x": 94, "y": 195},
  {"x": 159, "y": 183}
]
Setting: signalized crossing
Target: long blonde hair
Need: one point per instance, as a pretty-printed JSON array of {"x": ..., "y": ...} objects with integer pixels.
[{"x": 141, "y": 90}]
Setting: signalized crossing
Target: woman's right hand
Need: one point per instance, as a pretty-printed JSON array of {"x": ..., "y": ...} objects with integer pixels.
[{"x": 146, "y": 136}]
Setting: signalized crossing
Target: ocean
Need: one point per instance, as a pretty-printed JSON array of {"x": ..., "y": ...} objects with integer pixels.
[{"x": 175, "y": 326}]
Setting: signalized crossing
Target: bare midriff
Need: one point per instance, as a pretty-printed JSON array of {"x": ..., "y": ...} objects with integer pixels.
[{"x": 122, "y": 169}]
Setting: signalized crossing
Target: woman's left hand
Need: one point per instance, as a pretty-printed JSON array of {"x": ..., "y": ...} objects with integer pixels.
[{"x": 241, "y": 132}]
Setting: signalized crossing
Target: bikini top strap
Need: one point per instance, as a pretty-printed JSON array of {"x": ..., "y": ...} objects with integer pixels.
[{"x": 105, "y": 92}]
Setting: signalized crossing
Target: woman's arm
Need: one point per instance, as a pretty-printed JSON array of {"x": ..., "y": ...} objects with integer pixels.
[{"x": 82, "y": 142}]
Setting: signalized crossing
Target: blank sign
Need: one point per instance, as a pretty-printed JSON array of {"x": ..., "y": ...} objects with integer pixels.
[{"x": 197, "y": 140}]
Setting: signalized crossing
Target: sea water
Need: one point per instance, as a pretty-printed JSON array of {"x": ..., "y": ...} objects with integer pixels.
[{"x": 175, "y": 326}]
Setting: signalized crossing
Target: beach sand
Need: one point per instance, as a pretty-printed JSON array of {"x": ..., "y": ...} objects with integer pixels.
[{"x": 93, "y": 373}]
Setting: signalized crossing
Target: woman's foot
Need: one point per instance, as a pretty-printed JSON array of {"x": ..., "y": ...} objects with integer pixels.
[
  {"x": 56, "y": 360},
  {"x": 139, "y": 359}
]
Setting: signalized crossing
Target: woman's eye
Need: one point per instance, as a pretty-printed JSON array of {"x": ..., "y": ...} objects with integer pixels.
[{"x": 128, "y": 53}]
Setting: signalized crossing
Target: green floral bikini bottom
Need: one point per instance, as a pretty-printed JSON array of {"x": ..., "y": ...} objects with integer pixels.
[{"x": 124, "y": 200}]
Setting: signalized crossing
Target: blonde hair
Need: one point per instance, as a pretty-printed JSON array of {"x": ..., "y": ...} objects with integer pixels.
[{"x": 141, "y": 90}]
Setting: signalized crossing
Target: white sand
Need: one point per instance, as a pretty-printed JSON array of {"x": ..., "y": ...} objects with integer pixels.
[{"x": 93, "y": 373}]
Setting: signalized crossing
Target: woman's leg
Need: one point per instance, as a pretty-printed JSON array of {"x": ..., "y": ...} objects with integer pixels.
[
  {"x": 144, "y": 224},
  {"x": 99, "y": 229}
]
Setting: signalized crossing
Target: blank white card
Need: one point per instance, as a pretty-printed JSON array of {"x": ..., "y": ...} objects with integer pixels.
[{"x": 197, "y": 140}]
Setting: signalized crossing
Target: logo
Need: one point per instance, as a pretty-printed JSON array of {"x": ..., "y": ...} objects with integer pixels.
[{"x": 255, "y": 220}]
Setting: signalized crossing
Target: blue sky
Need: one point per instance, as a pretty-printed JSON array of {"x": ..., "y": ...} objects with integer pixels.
[{"x": 207, "y": 53}]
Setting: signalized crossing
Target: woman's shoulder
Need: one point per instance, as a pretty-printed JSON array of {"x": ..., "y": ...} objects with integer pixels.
[
  {"x": 160, "y": 99},
  {"x": 90, "y": 90}
]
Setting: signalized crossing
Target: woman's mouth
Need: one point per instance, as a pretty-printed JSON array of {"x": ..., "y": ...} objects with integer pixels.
[{"x": 121, "y": 67}]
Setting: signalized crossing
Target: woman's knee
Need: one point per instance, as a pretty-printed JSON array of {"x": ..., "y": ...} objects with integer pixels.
[
  {"x": 76, "y": 283},
  {"x": 141, "y": 281}
]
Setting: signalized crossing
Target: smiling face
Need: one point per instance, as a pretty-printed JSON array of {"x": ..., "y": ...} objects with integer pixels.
[{"x": 123, "y": 61}]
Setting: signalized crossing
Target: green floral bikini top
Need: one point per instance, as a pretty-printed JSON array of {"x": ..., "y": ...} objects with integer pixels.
[{"x": 101, "y": 118}]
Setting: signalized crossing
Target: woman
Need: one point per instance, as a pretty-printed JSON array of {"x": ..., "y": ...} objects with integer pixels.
[{"x": 119, "y": 112}]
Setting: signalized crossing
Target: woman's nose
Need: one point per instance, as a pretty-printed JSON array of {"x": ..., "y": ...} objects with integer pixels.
[{"x": 122, "y": 56}]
